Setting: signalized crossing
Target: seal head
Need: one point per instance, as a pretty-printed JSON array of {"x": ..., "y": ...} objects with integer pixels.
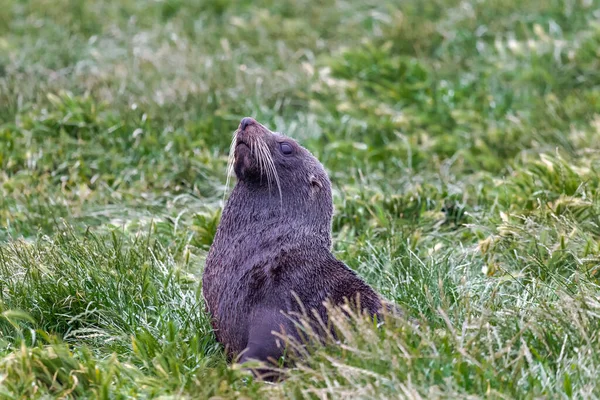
[{"x": 273, "y": 168}]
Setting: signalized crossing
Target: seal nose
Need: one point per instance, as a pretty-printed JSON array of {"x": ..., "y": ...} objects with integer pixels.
[{"x": 247, "y": 121}]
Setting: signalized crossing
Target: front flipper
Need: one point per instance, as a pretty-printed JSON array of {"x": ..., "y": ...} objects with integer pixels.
[{"x": 263, "y": 345}]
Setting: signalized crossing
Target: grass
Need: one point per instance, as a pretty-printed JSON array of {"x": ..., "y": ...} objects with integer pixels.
[{"x": 462, "y": 139}]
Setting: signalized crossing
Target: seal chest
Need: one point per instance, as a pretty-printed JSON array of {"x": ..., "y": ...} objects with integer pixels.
[{"x": 272, "y": 246}]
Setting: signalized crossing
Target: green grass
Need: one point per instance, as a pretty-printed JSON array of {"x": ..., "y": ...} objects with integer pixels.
[{"x": 462, "y": 139}]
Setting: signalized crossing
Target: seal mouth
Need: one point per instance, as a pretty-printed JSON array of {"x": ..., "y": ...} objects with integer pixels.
[
  {"x": 242, "y": 143},
  {"x": 242, "y": 149}
]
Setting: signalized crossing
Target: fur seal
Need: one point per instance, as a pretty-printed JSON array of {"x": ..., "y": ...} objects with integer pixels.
[{"x": 273, "y": 247}]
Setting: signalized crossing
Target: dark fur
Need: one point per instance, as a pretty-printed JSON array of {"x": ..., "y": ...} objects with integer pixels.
[{"x": 267, "y": 248}]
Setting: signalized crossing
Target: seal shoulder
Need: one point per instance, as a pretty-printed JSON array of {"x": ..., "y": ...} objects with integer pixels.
[{"x": 315, "y": 275}]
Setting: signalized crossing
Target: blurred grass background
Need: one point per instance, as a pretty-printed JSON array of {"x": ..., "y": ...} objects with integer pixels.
[{"x": 462, "y": 139}]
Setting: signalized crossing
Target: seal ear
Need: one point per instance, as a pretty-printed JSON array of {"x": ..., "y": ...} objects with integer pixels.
[{"x": 315, "y": 184}]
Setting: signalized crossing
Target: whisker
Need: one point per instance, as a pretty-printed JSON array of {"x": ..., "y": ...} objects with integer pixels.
[
  {"x": 269, "y": 163},
  {"x": 261, "y": 159},
  {"x": 265, "y": 155},
  {"x": 252, "y": 147},
  {"x": 230, "y": 162},
  {"x": 273, "y": 169}
]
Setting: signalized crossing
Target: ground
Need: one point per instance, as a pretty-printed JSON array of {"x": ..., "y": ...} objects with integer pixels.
[{"x": 462, "y": 139}]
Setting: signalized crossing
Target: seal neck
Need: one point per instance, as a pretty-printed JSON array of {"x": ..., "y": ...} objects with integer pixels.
[{"x": 252, "y": 210}]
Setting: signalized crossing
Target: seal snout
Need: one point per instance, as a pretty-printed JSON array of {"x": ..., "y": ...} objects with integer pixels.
[{"x": 245, "y": 122}]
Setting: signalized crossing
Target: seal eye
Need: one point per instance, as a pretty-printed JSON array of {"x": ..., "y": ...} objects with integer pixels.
[{"x": 286, "y": 148}]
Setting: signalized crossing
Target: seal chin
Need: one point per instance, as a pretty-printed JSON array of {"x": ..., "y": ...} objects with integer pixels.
[{"x": 244, "y": 162}]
